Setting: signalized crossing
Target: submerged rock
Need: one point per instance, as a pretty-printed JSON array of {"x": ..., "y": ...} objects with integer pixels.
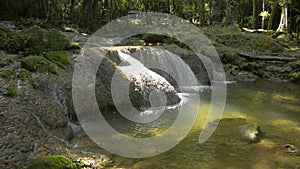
[
  {"x": 99, "y": 161},
  {"x": 251, "y": 132},
  {"x": 291, "y": 149}
]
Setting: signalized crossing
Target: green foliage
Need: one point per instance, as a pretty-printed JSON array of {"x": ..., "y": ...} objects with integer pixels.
[
  {"x": 4, "y": 62},
  {"x": 265, "y": 14},
  {"x": 5, "y": 35},
  {"x": 26, "y": 75},
  {"x": 58, "y": 57},
  {"x": 295, "y": 70},
  {"x": 37, "y": 63},
  {"x": 7, "y": 73},
  {"x": 53, "y": 162},
  {"x": 36, "y": 40},
  {"x": 295, "y": 66},
  {"x": 11, "y": 91},
  {"x": 295, "y": 76}
]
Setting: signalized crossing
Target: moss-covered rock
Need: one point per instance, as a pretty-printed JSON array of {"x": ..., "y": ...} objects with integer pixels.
[
  {"x": 58, "y": 57},
  {"x": 37, "y": 63},
  {"x": 53, "y": 162},
  {"x": 26, "y": 75},
  {"x": 4, "y": 62},
  {"x": 229, "y": 56},
  {"x": 6, "y": 73},
  {"x": 36, "y": 40},
  {"x": 5, "y": 34},
  {"x": 11, "y": 91},
  {"x": 241, "y": 41}
]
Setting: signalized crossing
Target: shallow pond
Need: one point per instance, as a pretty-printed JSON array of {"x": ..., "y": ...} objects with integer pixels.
[{"x": 275, "y": 107}]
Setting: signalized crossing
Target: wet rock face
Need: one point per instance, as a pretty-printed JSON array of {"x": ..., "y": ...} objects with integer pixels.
[
  {"x": 27, "y": 121},
  {"x": 59, "y": 90},
  {"x": 141, "y": 87},
  {"x": 151, "y": 92}
]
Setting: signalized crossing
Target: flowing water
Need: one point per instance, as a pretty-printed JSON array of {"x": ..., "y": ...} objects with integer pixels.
[{"x": 275, "y": 107}]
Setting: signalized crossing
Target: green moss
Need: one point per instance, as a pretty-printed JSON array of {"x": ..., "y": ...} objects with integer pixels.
[
  {"x": 26, "y": 75},
  {"x": 5, "y": 35},
  {"x": 11, "y": 91},
  {"x": 295, "y": 76},
  {"x": 229, "y": 56},
  {"x": 58, "y": 57},
  {"x": 36, "y": 63},
  {"x": 243, "y": 42},
  {"x": 4, "y": 62},
  {"x": 53, "y": 162},
  {"x": 7, "y": 73},
  {"x": 36, "y": 40},
  {"x": 75, "y": 45}
]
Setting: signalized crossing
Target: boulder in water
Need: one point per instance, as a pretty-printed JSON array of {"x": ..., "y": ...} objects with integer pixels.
[
  {"x": 251, "y": 132},
  {"x": 141, "y": 81}
]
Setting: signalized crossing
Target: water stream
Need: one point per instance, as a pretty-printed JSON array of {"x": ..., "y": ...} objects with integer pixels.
[{"x": 273, "y": 106}]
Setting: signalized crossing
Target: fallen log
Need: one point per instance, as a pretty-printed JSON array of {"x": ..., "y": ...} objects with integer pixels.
[
  {"x": 257, "y": 30},
  {"x": 268, "y": 58}
]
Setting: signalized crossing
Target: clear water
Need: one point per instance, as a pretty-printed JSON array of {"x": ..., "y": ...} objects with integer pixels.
[{"x": 273, "y": 106}]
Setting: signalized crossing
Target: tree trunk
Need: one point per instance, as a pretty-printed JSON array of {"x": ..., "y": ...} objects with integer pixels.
[
  {"x": 257, "y": 8},
  {"x": 273, "y": 9},
  {"x": 85, "y": 14},
  {"x": 283, "y": 19}
]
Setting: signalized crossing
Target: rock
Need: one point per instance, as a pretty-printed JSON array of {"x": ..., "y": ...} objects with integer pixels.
[
  {"x": 68, "y": 132},
  {"x": 145, "y": 165},
  {"x": 36, "y": 40},
  {"x": 53, "y": 162},
  {"x": 251, "y": 132},
  {"x": 38, "y": 64},
  {"x": 140, "y": 85},
  {"x": 96, "y": 162},
  {"x": 9, "y": 25},
  {"x": 58, "y": 88},
  {"x": 291, "y": 149}
]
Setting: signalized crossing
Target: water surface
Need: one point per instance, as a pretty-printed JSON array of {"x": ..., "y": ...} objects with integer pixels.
[{"x": 275, "y": 106}]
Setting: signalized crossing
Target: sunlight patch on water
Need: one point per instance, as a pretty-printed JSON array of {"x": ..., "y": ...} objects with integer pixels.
[
  {"x": 285, "y": 98},
  {"x": 291, "y": 107},
  {"x": 284, "y": 124}
]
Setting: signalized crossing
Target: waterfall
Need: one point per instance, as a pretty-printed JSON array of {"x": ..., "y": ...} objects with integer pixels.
[{"x": 167, "y": 64}]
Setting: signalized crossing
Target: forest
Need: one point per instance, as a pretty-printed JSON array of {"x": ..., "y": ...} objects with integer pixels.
[
  {"x": 215, "y": 84},
  {"x": 278, "y": 15}
]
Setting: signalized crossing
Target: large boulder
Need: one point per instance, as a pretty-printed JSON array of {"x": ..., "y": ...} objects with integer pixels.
[
  {"x": 36, "y": 40},
  {"x": 142, "y": 90}
]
